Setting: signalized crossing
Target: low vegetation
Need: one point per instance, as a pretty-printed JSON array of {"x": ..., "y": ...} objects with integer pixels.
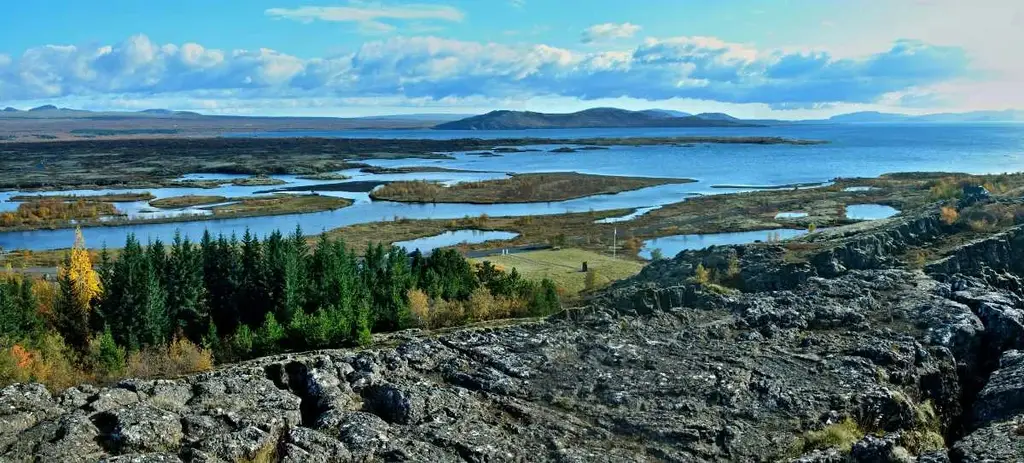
[
  {"x": 525, "y": 188},
  {"x": 258, "y": 180},
  {"x": 281, "y": 204},
  {"x": 186, "y": 201},
  {"x": 107, "y": 198},
  {"x": 55, "y": 212},
  {"x": 166, "y": 310},
  {"x": 564, "y": 267}
]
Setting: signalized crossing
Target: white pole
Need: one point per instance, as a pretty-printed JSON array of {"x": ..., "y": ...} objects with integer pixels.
[{"x": 615, "y": 239}]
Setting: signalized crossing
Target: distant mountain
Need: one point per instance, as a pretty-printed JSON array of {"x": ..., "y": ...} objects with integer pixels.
[
  {"x": 436, "y": 117},
  {"x": 48, "y": 107},
  {"x": 717, "y": 117},
  {"x": 11, "y": 110},
  {"x": 666, "y": 113},
  {"x": 590, "y": 118},
  {"x": 974, "y": 116}
]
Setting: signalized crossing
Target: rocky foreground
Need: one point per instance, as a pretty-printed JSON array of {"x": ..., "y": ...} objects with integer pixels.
[{"x": 847, "y": 355}]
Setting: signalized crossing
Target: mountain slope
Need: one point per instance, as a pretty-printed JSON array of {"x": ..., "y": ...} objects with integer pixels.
[{"x": 591, "y": 118}]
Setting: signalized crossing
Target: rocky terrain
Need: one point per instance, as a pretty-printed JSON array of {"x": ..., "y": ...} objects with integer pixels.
[{"x": 846, "y": 354}]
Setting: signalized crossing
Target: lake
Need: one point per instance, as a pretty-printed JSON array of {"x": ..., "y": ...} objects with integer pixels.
[{"x": 855, "y": 150}]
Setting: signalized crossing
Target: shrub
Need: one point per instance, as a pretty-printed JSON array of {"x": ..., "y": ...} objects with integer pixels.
[
  {"x": 481, "y": 305},
  {"x": 656, "y": 254},
  {"x": 701, "y": 275},
  {"x": 949, "y": 215},
  {"x": 419, "y": 306},
  {"x": 812, "y": 228},
  {"x": 982, "y": 225},
  {"x": 945, "y": 188},
  {"x": 446, "y": 313},
  {"x": 268, "y": 339},
  {"x": 46, "y": 360},
  {"x": 590, "y": 281},
  {"x": 241, "y": 342},
  {"x": 106, "y": 357},
  {"x": 840, "y": 435},
  {"x": 181, "y": 357}
]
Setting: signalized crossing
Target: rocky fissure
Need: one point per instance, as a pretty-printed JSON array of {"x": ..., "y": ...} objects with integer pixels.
[{"x": 845, "y": 356}]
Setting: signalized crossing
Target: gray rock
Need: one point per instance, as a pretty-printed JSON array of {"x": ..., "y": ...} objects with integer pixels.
[
  {"x": 1003, "y": 396},
  {"x": 144, "y": 428}
]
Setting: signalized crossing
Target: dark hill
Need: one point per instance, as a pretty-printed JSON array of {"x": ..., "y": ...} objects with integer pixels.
[{"x": 591, "y": 118}]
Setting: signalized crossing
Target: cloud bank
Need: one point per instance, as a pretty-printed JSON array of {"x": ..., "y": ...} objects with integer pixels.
[
  {"x": 433, "y": 69},
  {"x": 368, "y": 16},
  {"x": 609, "y": 31}
]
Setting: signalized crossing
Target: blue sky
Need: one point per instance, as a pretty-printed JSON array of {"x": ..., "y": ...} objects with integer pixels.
[{"x": 755, "y": 58}]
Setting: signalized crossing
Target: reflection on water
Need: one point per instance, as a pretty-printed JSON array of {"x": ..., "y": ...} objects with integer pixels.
[
  {"x": 429, "y": 244},
  {"x": 790, "y": 215},
  {"x": 870, "y": 212},
  {"x": 672, "y": 245}
]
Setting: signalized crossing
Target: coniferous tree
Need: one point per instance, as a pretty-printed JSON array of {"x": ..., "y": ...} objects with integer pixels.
[
  {"x": 19, "y": 315},
  {"x": 222, "y": 269},
  {"x": 186, "y": 293},
  {"x": 254, "y": 299}
]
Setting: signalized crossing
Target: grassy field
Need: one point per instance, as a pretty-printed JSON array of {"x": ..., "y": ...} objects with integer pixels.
[
  {"x": 563, "y": 266},
  {"x": 525, "y": 188},
  {"x": 186, "y": 201}
]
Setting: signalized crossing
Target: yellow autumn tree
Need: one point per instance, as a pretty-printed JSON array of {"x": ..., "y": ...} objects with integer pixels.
[{"x": 78, "y": 270}]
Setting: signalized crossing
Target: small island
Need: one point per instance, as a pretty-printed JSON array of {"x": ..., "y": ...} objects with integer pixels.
[
  {"x": 176, "y": 202},
  {"x": 524, "y": 188},
  {"x": 105, "y": 198}
]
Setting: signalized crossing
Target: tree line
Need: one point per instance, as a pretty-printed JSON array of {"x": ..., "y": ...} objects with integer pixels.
[{"x": 233, "y": 298}]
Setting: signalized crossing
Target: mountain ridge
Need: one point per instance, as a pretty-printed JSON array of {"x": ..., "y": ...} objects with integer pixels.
[{"x": 589, "y": 118}]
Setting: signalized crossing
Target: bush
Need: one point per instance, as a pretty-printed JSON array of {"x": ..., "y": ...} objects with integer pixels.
[
  {"x": 945, "y": 188},
  {"x": 701, "y": 275},
  {"x": 419, "y": 306},
  {"x": 481, "y": 305},
  {"x": 656, "y": 254},
  {"x": 268, "y": 339},
  {"x": 949, "y": 215},
  {"x": 181, "y": 357},
  {"x": 840, "y": 435},
  {"x": 46, "y": 360},
  {"x": 106, "y": 357},
  {"x": 590, "y": 281},
  {"x": 812, "y": 228}
]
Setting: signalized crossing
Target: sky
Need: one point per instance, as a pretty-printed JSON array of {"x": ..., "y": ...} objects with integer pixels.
[{"x": 784, "y": 59}]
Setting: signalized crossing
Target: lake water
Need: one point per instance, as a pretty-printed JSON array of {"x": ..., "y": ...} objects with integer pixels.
[
  {"x": 870, "y": 212},
  {"x": 672, "y": 245},
  {"x": 853, "y": 151},
  {"x": 428, "y": 244}
]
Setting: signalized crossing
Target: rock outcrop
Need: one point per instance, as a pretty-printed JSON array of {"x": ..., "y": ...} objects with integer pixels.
[{"x": 846, "y": 356}]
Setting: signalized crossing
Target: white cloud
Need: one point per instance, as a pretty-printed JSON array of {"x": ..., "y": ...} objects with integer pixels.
[
  {"x": 436, "y": 69},
  {"x": 517, "y": 3},
  {"x": 370, "y": 17},
  {"x": 609, "y": 31}
]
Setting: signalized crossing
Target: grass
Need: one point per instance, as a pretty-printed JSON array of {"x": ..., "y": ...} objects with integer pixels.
[
  {"x": 258, "y": 180},
  {"x": 563, "y": 266},
  {"x": 525, "y": 188},
  {"x": 108, "y": 198},
  {"x": 281, "y": 204},
  {"x": 324, "y": 176},
  {"x": 186, "y": 201},
  {"x": 840, "y": 435}
]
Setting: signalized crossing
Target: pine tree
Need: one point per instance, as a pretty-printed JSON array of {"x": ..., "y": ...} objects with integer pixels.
[
  {"x": 222, "y": 268},
  {"x": 108, "y": 358},
  {"x": 254, "y": 297},
  {"x": 71, "y": 315},
  {"x": 19, "y": 315},
  {"x": 186, "y": 293}
]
